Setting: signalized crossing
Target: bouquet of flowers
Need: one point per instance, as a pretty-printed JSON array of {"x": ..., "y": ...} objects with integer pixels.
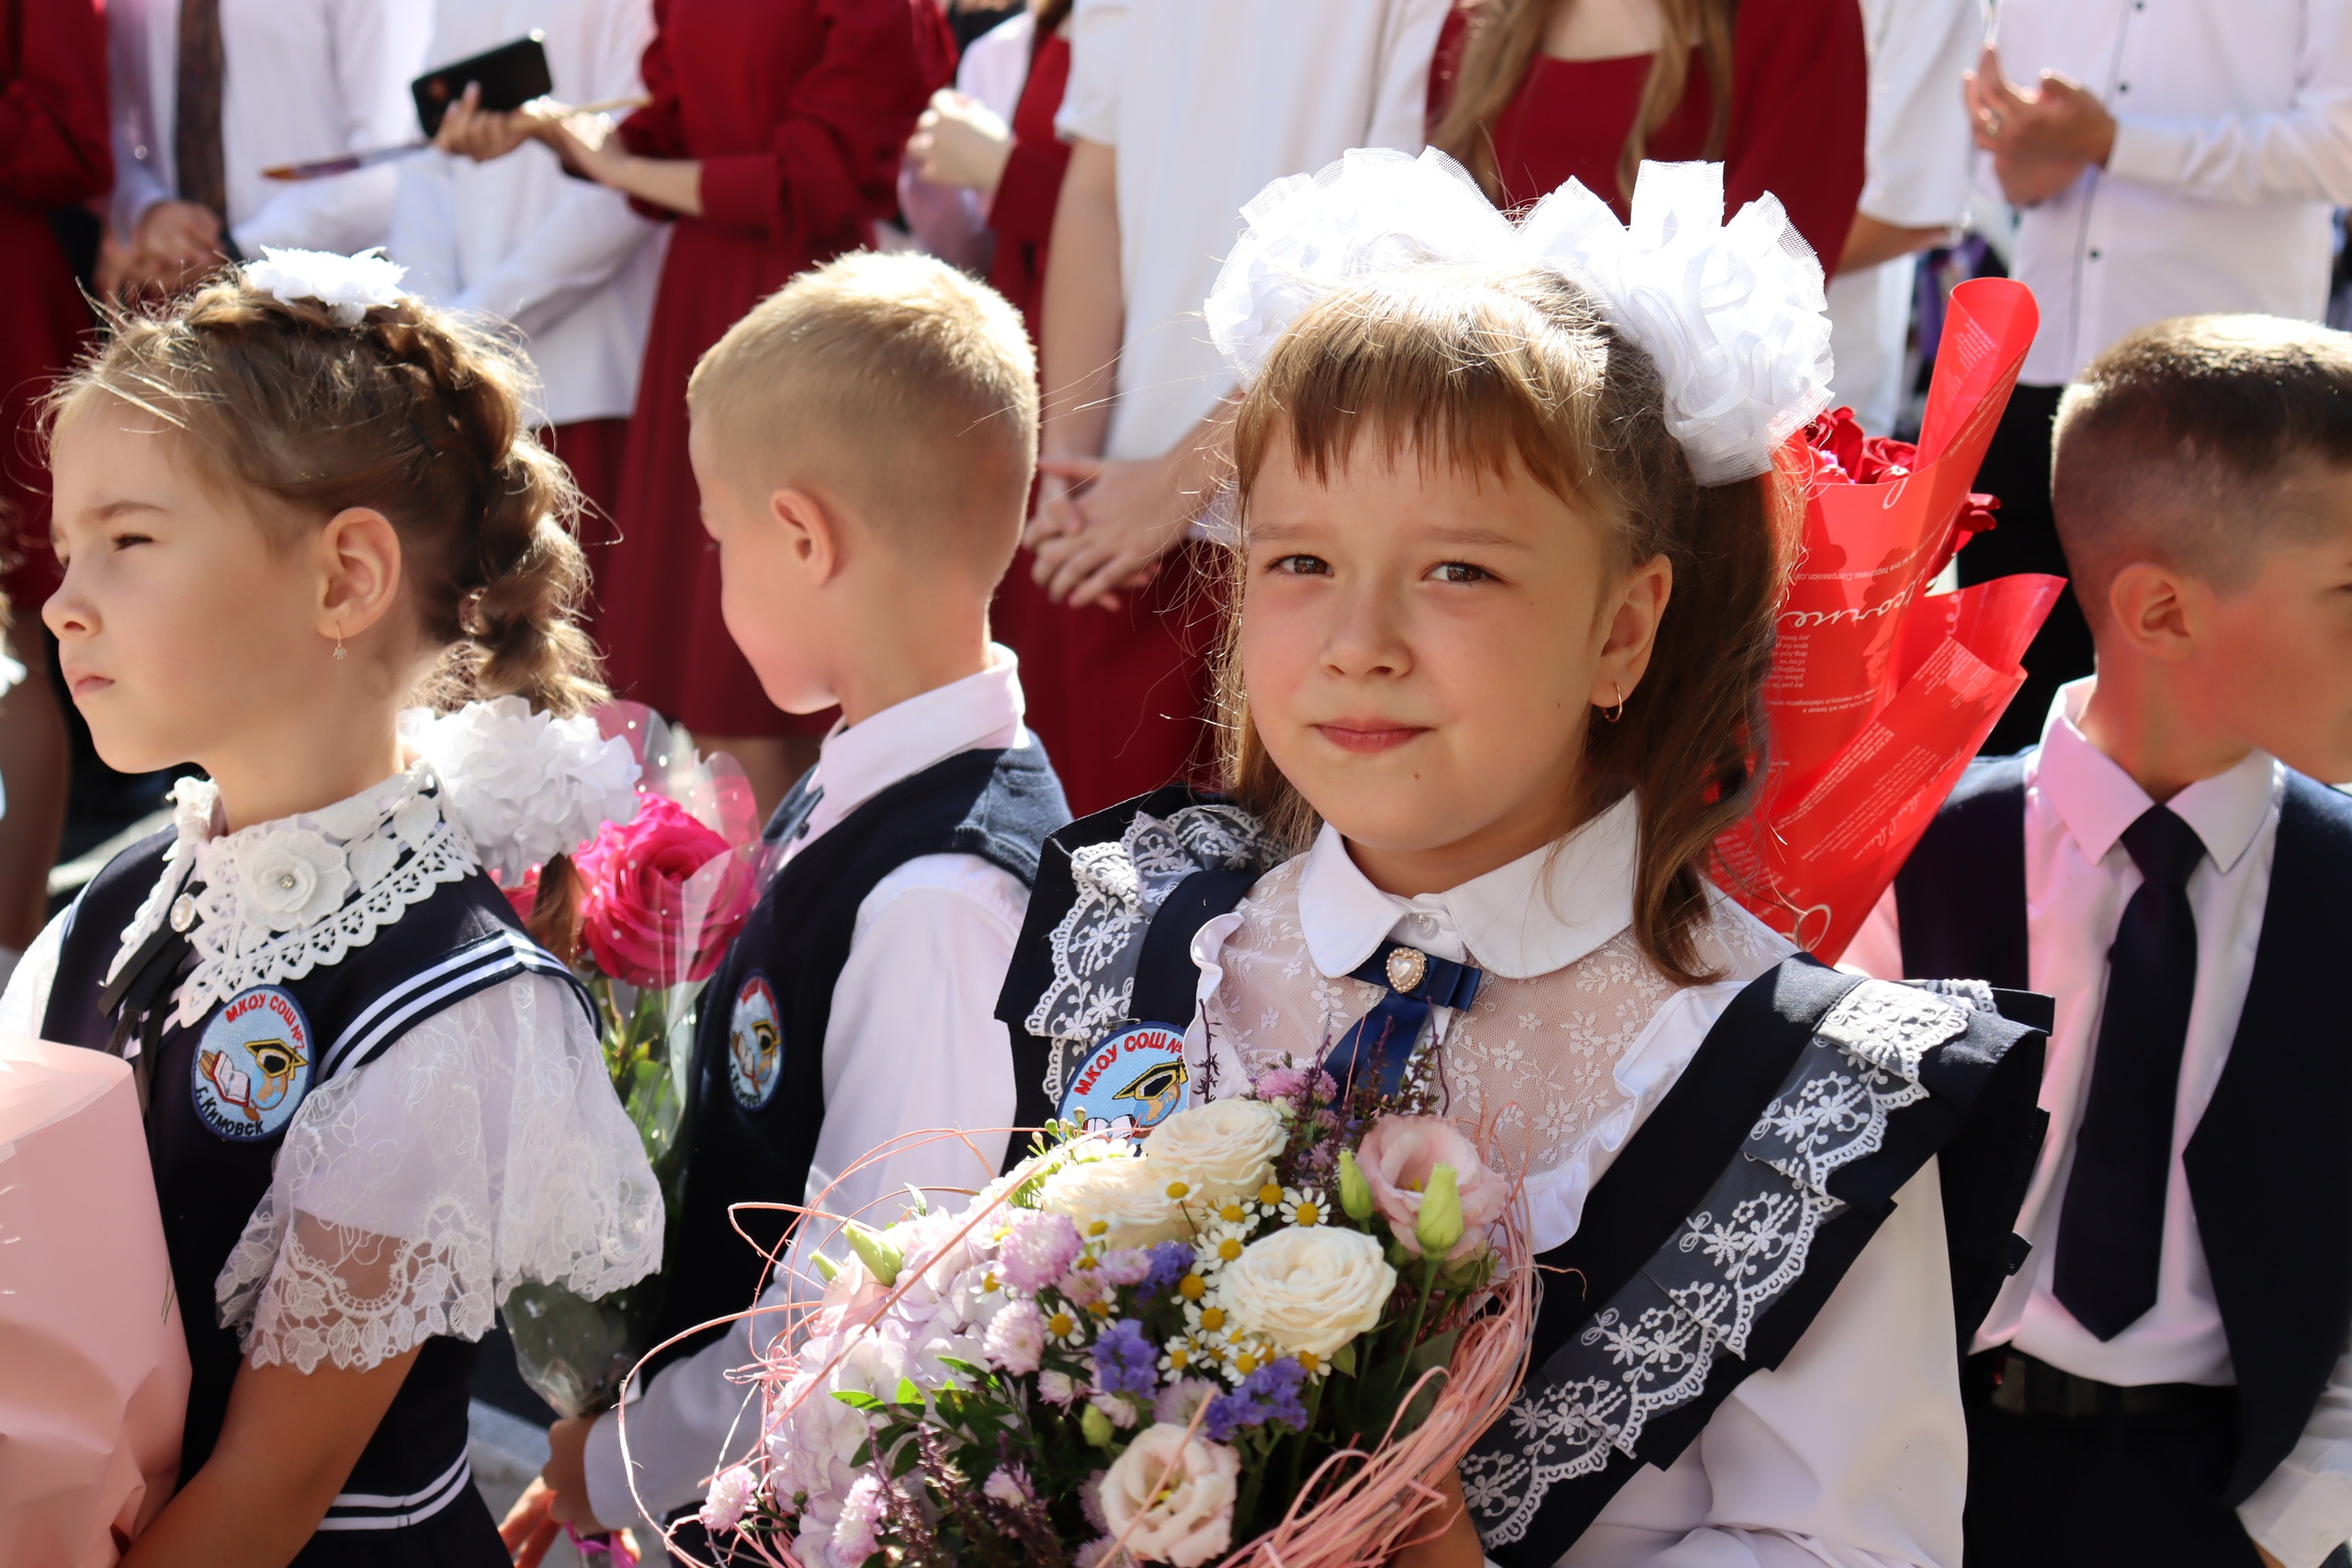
[
  {"x": 646, "y": 909},
  {"x": 1880, "y": 692},
  {"x": 1261, "y": 1340}
]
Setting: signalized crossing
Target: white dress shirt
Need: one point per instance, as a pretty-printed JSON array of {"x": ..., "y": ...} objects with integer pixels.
[
  {"x": 304, "y": 79},
  {"x": 1853, "y": 1451},
  {"x": 566, "y": 261},
  {"x": 2078, "y": 878},
  {"x": 1206, "y": 101},
  {"x": 2232, "y": 142},
  {"x": 913, "y": 1044},
  {"x": 1916, "y": 176}
]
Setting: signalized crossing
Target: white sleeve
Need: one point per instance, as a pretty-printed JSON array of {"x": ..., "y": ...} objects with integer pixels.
[
  {"x": 140, "y": 141},
  {"x": 1400, "y": 110},
  {"x": 424, "y": 227},
  {"x": 1877, "y": 948},
  {"x": 2303, "y": 152},
  {"x": 483, "y": 1148},
  {"x": 900, "y": 1057},
  {"x": 25, "y": 1000},
  {"x": 1921, "y": 155},
  {"x": 1853, "y": 1451},
  {"x": 377, "y": 47},
  {"x": 2303, "y": 1511},
  {"x": 1098, "y": 68}
]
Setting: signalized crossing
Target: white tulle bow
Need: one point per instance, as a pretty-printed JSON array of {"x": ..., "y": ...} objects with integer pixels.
[
  {"x": 347, "y": 286},
  {"x": 1733, "y": 313},
  {"x": 521, "y": 786}
]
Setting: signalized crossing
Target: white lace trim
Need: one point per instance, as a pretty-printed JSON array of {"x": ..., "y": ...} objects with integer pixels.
[
  {"x": 282, "y": 898},
  {"x": 482, "y": 1149}
]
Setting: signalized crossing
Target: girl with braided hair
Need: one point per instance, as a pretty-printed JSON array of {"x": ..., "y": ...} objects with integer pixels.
[{"x": 373, "y": 1103}]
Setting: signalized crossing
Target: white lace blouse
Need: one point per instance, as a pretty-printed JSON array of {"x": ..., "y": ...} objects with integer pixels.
[
  {"x": 1853, "y": 1451},
  {"x": 484, "y": 1148}
]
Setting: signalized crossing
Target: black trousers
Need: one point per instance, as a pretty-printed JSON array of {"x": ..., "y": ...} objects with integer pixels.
[
  {"x": 2081, "y": 1490},
  {"x": 2025, "y": 538}
]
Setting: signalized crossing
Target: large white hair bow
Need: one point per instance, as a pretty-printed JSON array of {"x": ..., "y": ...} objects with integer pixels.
[
  {"x": 1733, "y": 313},
  {"x": 347, "y": 286}
]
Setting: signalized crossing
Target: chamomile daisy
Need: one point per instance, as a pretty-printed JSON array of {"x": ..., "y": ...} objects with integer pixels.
[
  {"x": 1066, "y": 1328},
  {"x": 1304, "y": 1207}
]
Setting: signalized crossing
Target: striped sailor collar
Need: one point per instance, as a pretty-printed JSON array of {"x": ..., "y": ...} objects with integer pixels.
[{"x": 272, "y": 902}]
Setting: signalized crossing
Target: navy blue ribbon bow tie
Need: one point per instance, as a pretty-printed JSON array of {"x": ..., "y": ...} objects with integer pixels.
[{"x": 1382, "y": 1040}]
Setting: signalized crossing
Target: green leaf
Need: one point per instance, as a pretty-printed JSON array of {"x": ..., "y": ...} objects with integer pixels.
[
  {"x": 857, "y": 1399},
  {"x": 1343, "y": 1360},
  {"x": 907, "y": 1394},
  {"x": 972, "y": 1370}
]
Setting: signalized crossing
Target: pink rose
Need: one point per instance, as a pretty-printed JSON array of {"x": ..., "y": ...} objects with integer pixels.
[
  {"x": 662, "y": 896},
  {"x": 1398, "y": 1155}
]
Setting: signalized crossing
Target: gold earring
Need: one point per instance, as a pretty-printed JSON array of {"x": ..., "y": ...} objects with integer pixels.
[
  {"x": 1611, "y": 716},
  {"x": 338, "y": 644}
]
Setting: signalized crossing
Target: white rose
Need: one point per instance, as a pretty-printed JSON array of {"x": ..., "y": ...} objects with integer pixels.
[
  {"x": 1177, "y": 1492},
  {"x": 1308, "y": 1287},
  {"x": 292, "y": 876},
  {"x": 1127, "y": 1196},
  {"x": 1221, "y": 1148}
]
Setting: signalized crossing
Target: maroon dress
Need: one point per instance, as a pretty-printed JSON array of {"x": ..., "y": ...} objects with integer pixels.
[
  {"x": 1800, "y": 102},
  {"x": 54, "y": 152},
  {"x": 797, "y": 110}
]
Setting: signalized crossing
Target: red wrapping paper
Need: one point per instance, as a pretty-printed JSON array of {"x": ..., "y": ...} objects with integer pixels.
[{"x": 1880, "y": 692}]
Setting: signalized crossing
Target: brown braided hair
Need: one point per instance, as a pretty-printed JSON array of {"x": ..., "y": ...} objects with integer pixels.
[
  {"x": 411, "y": 413},
  {"x": 1504, "y": 371}
]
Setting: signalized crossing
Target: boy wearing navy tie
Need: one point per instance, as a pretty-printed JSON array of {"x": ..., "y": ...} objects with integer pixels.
[{"x": 2164, "y": 1381}]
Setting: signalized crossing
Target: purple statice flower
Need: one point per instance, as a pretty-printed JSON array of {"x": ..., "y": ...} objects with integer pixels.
[
  {"x": 1037, "y": 1250},
  {"x": 1124, "y": 1359},
  {"x": 1170, "y": 1262},
  {"x": 1127, "y": 1266},
  {"x": 1270, "y": 1394}
]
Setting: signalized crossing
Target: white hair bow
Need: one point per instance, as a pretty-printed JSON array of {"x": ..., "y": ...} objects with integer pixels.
[
  {"x": 347, "y": 286},
  {"x": 1733, "y": 313}
]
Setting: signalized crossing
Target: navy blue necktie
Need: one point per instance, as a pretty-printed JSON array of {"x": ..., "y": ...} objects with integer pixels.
[
  {"x": 1381, "y": 1042},
  {"x": 2112, "y": 1224}
]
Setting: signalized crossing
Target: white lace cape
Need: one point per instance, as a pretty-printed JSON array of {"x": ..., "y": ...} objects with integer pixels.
[
  {"x": 1560, "y": 1070},
  {"x": 484, "y": 1148}
]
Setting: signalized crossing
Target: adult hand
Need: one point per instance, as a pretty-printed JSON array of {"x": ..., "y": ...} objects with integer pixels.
[
  {"x": 530, "y": 1525},
  {"x": 175, "y": 243},
  {"x": 1105, "y": 527},
  {"x": 960, "y": 141},
  {"x": 471, "y": 131},
  {"x": 2040, "y": 141},
  {"x": 584, "y": 141}
]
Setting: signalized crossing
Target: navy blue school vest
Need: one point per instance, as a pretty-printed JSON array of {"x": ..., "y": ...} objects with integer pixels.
[
  {"x": 759, "y": 1100},
  {"x": 220, "y": 1094},
  {"x": 2270, "y": 1167},
  {"x": 1811, "y": 1103}
]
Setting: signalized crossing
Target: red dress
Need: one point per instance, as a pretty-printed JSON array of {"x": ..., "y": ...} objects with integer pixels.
[
  {"x": 1800, "y": 102},
  {"x": 1116, "y": 696},
  {"x": 54, "y": 152},
  {"x": 797, "y": 110}
]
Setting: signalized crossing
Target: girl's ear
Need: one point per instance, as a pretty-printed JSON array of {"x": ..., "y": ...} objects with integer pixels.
[
  {"x": 1632, "y": 631},
  {"x": 359, "y": 551}
]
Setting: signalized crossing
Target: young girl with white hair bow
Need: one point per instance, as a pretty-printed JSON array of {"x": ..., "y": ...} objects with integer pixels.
[{"x": 1511, "y": 540}]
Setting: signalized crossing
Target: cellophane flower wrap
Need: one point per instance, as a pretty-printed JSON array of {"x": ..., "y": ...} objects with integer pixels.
[
  {"x": 1262, "y": 1340},
  {"x": 656, "y": 898},
  {"x": 1880, "y": 692}
]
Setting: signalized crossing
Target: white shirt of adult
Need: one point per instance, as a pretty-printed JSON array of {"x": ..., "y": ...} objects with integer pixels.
[
  {"x": 913, "y": 1043},
  {"x": 566, "y": 261},
  {"x": 302, "y": 79},
  {"x": 1206, "y": 102},
  {"x": 2233, "y": 143},
  {"x": 1853, "y": 1451},
  {"x": 1917, "y": 164},
  {"x": 2078, "y": 878}
]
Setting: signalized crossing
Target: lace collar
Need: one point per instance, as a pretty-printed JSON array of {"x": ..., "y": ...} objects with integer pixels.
[{"x": 281, "y": 898}]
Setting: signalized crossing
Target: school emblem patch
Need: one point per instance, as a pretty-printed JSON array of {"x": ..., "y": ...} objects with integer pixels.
[
  {"x": 1131, "y": 1083},
  {"x": 755, "y": 1044},
  {"x": 253, "y": 1066}
]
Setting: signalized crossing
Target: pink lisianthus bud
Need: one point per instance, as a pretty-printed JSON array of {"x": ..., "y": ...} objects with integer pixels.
[{"x": 1399, "y": 1156}]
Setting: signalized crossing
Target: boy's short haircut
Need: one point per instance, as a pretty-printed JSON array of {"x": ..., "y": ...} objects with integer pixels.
[
  {"x": 2191, "y": 444},
  {"x": 895, "y": 382}
]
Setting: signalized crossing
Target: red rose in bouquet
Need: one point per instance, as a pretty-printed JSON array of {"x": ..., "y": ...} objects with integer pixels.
[{"x": 661, "y": 896}]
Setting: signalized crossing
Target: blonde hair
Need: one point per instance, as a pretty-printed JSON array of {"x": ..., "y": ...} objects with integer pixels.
[
  {"x": 897, "y": 382},
  {"x": 1498, "y": 371},
  {"x": 410, "y": 412},
  {"x": 1504, "y": 39}
]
